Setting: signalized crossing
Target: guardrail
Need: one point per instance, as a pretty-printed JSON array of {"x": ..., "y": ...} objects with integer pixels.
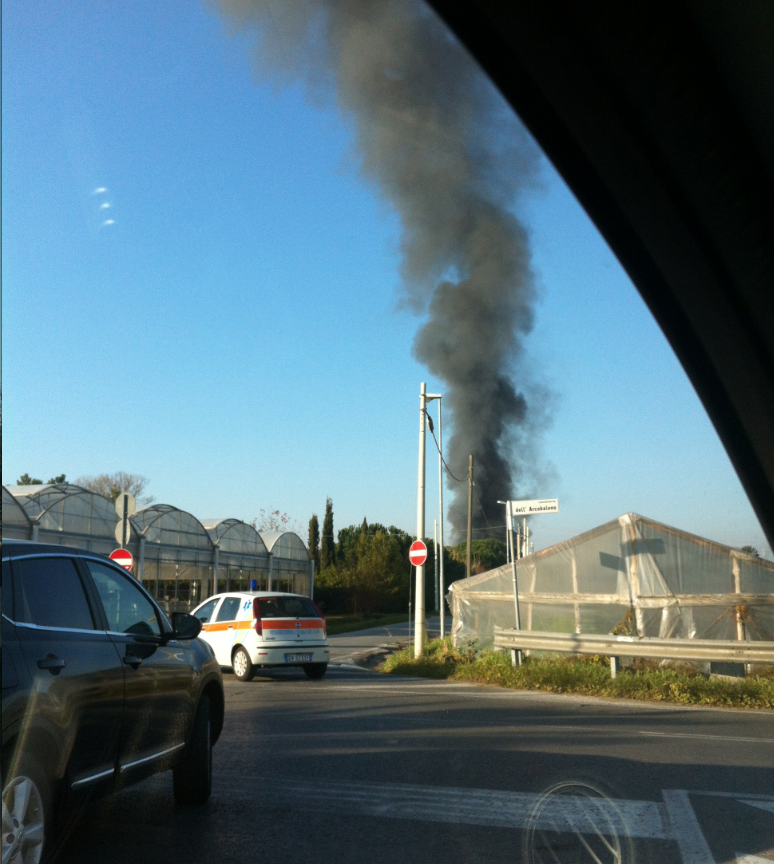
[{"x": 714, "y": 650}]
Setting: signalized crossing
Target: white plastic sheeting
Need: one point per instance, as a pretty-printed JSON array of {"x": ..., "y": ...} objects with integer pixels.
[{"x": 675, "y": 584}]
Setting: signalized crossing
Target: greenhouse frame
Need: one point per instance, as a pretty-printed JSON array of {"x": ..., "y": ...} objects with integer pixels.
[
  {"x": 632, "y": 575},
  {"x": 178, "y": 558}
]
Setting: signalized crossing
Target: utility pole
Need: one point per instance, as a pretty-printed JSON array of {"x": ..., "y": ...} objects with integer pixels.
[
  {"x": 470, "y": 515},
  {"x": 440, "y": 514},
  {"x": 435, "y": 561},
  {"x": 419, "y": 607}
]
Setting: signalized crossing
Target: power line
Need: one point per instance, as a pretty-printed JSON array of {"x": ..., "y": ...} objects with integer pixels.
[{"x": 432, "y": 432}]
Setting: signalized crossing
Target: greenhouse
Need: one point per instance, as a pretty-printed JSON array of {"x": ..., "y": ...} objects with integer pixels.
[
  {"x": 290, "y": 564},
  {"x": 179, "y": 559},
  {"x": 16, "y": 523},
  {"x": 175, "y": 555},
  {"x": 241, "y": 559},
  {"x": 632, "y": 574},
  {"x": 62, "y": 513}
]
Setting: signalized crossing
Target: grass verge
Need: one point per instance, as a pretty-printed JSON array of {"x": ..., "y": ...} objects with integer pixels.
[
  {"x": 584, "y": 675},
  {"x": 337, "y": 624}
]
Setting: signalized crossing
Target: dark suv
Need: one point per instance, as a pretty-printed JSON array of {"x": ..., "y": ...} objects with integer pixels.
[{"x": 100, "y": 689}]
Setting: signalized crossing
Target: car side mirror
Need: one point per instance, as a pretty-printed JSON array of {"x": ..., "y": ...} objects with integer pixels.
[{"x": 185, "y": 626}]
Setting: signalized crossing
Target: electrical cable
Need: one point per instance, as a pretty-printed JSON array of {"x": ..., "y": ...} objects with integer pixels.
[{"x": 432, "y": 432}]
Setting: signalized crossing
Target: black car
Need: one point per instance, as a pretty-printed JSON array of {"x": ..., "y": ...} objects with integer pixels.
[{"x": 100, "y": 689}]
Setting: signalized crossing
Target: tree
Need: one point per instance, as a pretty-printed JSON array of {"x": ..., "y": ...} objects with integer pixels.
[
  {"x": 112, "y": 485},
  {"x": 314, "y": 541},
  {"x": 271, "y": 521},
  {"x": 751, "y": 550},
  {"x": 60, "y": 478},
  {"x": 26, "y": 480},
  {"x": 328, "y": 546},
  {"x": 486, "y": 554}
]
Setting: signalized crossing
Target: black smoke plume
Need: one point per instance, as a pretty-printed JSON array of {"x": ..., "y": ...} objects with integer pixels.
[{"x": 439, "y": 143}]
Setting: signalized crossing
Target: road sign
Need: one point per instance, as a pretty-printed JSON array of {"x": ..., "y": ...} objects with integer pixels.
[
  {"x": 532, "y": 508},
  {"x": 131, "y": 504},
  {"x": 418, "y": 553},
  {"x": 122, "y": 557},
  {"x": 119, "y": 532}
]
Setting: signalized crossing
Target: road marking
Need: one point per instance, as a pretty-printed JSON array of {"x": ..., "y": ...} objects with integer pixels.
[
  {"x": 484, "y": 807},
  {"x": 685, "y": 828},
  {"x": 708, "y": 737}
]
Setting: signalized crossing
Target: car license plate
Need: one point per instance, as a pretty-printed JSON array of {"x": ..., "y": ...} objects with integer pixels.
[{"x": 298, "y": 658}]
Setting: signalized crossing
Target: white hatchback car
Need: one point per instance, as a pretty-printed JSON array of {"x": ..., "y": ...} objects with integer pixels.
[{"x": 251, "y": 630}]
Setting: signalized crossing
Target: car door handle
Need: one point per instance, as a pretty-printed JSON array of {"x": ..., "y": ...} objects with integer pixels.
[
  {"x": 52, "y": 663},
  {"x": 132, "y": 661}
]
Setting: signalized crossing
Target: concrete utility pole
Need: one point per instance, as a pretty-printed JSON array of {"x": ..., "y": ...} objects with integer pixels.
[
  {"x": 440, "y": 513},
  {"x": 435, "y": 561},
  {"x": 470, "y": 516},
  {"x": 419, "y": 607}
]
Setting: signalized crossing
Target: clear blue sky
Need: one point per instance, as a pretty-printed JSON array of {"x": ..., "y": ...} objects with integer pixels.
[{"x": 235, "y": 333}]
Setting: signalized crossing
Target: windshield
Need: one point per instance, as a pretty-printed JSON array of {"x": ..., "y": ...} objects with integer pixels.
[{"x": 251, "y": 248}]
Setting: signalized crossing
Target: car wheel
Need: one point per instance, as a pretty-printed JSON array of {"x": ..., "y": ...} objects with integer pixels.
[
  {"x": 192, "y": 776},
  {"x": 315, "y": 671},
  {"x": 26, "y": 812},
  {"x": 242, "y": 665}
]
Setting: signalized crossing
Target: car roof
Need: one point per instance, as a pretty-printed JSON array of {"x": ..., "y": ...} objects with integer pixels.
[
  {"x": 253, "y": 594},
  {"x": 13, "y": 548}
]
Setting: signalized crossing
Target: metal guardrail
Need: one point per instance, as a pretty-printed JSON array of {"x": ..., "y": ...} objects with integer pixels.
[{"x": 635, "y": 646}]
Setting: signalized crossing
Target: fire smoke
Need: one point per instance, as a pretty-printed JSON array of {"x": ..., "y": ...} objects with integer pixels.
[{"x": 439, "y": 143}]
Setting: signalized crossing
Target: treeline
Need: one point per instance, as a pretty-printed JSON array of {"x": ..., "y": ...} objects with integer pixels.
[{"x": 365, "y": 568}]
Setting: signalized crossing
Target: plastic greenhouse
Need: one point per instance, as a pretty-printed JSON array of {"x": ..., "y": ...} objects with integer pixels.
[
  {"x": 657, "y": 580},
  {"x": 291, "y": 566},
  {"x": 16, "y": 523},
  {"x": 241, "y": 557},
  {"x": 63, "y": 513}
]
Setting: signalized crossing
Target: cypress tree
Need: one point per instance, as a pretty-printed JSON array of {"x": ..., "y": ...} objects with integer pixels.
[
  {"x": 314, "y": 541},
  {"x": 327, "y": 545}
]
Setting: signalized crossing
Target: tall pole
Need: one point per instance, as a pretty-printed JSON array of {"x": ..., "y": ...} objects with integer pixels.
[
  {"x": 435, "y": 561},
  {"x": 419, "y": 607},
  {"x": 470, "y": 516},
  {"x": 516, "y": 655},
  {"x": 440, "y": 514}
]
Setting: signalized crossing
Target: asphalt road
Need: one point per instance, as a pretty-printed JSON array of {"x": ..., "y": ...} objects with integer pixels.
[
  {"x": 348, "y": 646},
  {"x": 362, "y": 767}
]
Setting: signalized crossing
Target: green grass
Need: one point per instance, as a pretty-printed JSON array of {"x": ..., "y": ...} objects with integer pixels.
[
  {"x": 337, "y": 624},
  {"x": 584, "y": 675}
]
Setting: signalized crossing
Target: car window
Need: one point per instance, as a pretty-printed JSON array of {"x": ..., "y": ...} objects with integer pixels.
[
  {"x": 228, "y": 611},
  {"x": 287, "y": 607},
  {"x": 51, "y": 594},
  {"x": 126, "y": 607},
  {"x": 205, "y": 613}
]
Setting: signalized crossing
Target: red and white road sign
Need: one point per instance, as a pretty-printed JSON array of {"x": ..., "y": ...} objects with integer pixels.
[
  {"x": 418, "y": 553},
  {"x": 122, "y": 557}
]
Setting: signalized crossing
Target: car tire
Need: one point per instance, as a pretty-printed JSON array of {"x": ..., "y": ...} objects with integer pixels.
[
  {"x": 315, "y": 671},
  {"x": 242, "y": 665},
  {"x": 192, "y": 776},
  {"x": 27, "y": 812}
]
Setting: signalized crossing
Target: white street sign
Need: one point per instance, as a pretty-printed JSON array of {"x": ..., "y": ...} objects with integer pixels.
[
  {"x": 119, "y": 532},
  {"x": 532, "y": 508},
  {"x": 131, "y": 505}
]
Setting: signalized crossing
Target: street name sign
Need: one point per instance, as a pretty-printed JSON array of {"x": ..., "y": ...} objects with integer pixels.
[
  {"x": 123, "y": 558},
  {"x": 418, "y": 553},
  {"x": 532, "y": 508}
]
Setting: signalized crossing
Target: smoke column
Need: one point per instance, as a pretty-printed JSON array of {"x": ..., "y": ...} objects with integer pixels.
[{"x": 439, "y": 143}]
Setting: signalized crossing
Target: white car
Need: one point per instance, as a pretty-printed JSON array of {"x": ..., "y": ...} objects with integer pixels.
[{"x": 251, "y": 630}]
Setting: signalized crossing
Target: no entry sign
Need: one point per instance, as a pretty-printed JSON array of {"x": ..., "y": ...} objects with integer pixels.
[
  {"x": 418, "y": 553},
  {"x": 123, "y": 558}
]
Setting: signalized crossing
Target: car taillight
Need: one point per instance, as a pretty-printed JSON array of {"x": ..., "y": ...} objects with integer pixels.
[
  {"x": 257, "y": 623},
  {"x": 317, "y": 609}
]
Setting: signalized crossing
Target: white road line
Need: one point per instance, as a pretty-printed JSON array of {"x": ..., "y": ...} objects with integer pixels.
[
  {"x": 685, "y": 828},
  {"x": 483, "y": 807},
  {"x": 708, "y": 737}
]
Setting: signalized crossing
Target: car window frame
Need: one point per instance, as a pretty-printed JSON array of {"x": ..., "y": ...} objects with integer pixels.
[
  {"x": 216, "y": 609},
  {"x": 95, "y": 609},
  {"x": 238, "y": 598}
]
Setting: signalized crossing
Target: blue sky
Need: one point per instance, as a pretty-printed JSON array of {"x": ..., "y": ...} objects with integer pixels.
[{"x": 236, "y": 333}]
